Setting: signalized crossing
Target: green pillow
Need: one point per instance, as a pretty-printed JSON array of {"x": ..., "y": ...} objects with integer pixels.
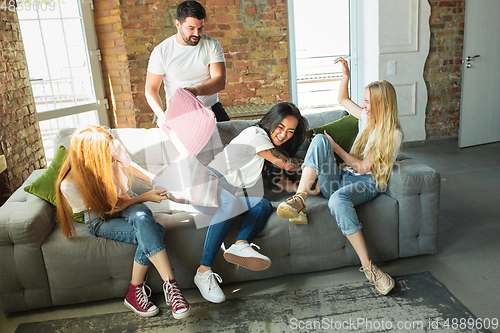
[
  {"x": 343, "y": 131},
  {"x": 45, "y": 186}
]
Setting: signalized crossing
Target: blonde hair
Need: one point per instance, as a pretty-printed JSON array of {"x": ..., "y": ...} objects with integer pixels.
[
  {"x": 384, "y": 123},
  {"x": 90, "y": 160}
]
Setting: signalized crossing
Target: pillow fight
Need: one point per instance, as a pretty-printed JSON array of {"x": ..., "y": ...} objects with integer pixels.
[{"x": 97, "y": 173}]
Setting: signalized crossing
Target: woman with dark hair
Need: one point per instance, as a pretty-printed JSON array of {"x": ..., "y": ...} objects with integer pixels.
[
  {"x": 273, "y": 174},
  {"x": 275, "y": 116},
  {"x": 275, "y": 138}
]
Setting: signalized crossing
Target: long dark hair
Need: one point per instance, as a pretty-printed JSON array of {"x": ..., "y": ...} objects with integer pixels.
[
  {"x": 275, "y": 116},
  {"x": 269, "y": 123}
]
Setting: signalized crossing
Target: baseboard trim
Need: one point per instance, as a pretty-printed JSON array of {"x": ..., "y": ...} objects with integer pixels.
[{"x": 433, "y": 141}]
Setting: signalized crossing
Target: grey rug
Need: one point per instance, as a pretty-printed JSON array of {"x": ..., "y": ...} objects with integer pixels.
[{"x": 419, "y": 303}]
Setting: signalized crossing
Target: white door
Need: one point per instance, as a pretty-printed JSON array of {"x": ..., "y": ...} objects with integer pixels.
[
  {"x": 480, "y": 101},
  {"x": 64, "y": 66}
]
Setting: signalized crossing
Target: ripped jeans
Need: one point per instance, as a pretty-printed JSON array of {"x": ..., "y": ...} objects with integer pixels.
[
  {"x": 343, "y": 189},
  {"x": 136, "y": 225}
]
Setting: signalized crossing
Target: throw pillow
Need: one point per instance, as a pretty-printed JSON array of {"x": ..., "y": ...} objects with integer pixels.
[
  {"x": 343, "y": 132},
  {"x": 188, "y": 123},
  {"x": 44, "y": 186}
]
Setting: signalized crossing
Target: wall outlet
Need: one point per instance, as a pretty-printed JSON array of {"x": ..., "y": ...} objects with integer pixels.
[{"x": 392, "y": 67}]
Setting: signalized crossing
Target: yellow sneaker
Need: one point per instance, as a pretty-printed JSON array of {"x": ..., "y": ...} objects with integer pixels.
[{"x": 294, "y": 209}]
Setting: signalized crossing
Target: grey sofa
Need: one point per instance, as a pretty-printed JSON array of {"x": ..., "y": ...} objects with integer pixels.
[{"x": 40, "y": 268}]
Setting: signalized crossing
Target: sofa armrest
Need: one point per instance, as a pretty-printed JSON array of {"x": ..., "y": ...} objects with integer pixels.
[
  {"x": 416, "y": 187},
  {"x": 25, "y": 223}
]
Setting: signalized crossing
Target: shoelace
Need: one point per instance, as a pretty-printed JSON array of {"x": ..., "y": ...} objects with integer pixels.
[
  {"x": 254, "y": 245},
  {"x": 173, "y": 295},
  {"x": 296, "y": 197},
  {"x": 211, "y": 281},
  {"x": 142, "y": 296},
  {"x": 375, "y": 273}
]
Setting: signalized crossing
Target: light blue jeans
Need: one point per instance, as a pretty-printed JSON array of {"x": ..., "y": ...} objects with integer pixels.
[
  {"x": 343, "y": 189},
  {"x": 136, "y": 225},
  {"x": 229, "y": 207}
]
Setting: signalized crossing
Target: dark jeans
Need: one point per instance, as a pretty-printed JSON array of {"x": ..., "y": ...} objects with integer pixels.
[
  {"x": 256, "y": 210},
  {"x": 220, "y": 113}
]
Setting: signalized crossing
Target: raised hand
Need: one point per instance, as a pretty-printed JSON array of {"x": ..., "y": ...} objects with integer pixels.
[{"x": 345, "y": 65}]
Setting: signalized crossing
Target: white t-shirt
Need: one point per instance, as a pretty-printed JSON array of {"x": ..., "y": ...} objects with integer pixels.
[
  {"x": 72, "y": 193},
  {"x": 361, "y": 126},
  {"x": 239, "y": 161},
  {"x": 185, "y": 65}
]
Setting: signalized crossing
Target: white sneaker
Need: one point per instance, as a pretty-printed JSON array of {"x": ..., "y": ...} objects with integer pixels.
[
  {"x": 208, "y": 286},
  {"x": 244, "y": 255}
]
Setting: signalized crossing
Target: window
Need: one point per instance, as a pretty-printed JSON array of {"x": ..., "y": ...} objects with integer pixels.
[
  {"x": 318, "y": 34},
  {"x": 63, "y": 66}
]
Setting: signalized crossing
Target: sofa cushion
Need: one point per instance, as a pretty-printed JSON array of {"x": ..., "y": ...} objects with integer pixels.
[
  {"x": 86, "y": 268},
  {"x": 44, "y": 186},
  {"x": 343, "y": 132}
]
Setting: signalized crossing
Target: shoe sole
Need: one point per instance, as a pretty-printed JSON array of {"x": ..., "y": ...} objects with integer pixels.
[
  {"x": 300, "y": 219},
  {"x": 181, "y": 315},
  {"x": 204, "y": 295},
  {"x": 388, "y": 289},
  {"x": 286, "y": 212},
  {"x": 140, "y": 313},
  {"x": 251, "y": 263}
]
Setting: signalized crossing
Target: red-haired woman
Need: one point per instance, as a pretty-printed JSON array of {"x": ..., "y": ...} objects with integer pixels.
[{"x": 95, "y": 178}]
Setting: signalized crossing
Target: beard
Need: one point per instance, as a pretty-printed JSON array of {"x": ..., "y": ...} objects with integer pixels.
[{"x": 191, "y": 40}]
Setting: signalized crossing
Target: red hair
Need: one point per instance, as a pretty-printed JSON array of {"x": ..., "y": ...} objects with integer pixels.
[{"x": 90, "y": 162}]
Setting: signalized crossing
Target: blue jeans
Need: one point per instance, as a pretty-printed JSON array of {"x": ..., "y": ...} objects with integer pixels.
[
  {"x": 343, "y": 189},
  {"x": 136, "y": 225},
  {"x": 229, "y": 207}
]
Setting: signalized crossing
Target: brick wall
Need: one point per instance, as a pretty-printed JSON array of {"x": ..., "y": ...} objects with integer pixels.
[
  {"x": 20, "y": 138},
  {"x": 254, "y": 36},
  {"x": 252, "y": 32},
  {"x": 114, "y": 64},
  {"x": 145, "y": 25},
  {"x": 443, "y": 69}
]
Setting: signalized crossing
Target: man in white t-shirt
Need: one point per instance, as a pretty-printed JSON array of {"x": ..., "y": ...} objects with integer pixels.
[{"x": 189, "y": 60}]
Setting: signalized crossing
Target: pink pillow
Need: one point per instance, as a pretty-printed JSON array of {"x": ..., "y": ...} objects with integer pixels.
[{"x": 188, "y": 123}]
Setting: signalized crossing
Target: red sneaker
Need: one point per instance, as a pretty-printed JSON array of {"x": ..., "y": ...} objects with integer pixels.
[
  {"x": 173, "y": 295},
  {"x": 137, "y": 301}
]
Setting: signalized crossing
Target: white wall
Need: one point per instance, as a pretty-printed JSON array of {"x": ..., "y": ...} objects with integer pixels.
[
  {"x": 399, "y": 34},
  {"x": 404, "y": 38}
]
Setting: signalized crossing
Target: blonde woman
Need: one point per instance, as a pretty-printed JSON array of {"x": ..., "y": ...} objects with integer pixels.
[
  {"x": 95, "y": 178},
  {"x": 364, "y": 173}
]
